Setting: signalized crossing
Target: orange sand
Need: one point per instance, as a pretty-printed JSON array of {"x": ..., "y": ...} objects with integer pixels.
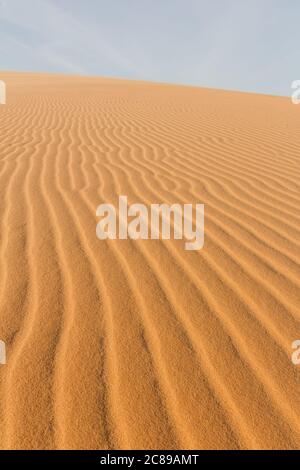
[{"x": 141, "y": 344}]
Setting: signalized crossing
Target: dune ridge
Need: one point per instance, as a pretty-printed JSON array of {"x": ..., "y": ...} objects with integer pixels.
[{"x": 139, "y": 344}]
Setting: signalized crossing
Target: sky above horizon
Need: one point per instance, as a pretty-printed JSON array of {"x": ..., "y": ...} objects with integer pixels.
[{"x": 252, "y": 45}]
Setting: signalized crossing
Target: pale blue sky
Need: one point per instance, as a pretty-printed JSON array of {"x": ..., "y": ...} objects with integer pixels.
[{"x": 250, "y": 45}]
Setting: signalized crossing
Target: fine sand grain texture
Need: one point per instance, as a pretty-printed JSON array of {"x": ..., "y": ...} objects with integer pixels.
[{"x": 140, "y": 344}]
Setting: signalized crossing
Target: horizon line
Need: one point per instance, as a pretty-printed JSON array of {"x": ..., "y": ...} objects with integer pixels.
[{"x": 148, "y": 81}]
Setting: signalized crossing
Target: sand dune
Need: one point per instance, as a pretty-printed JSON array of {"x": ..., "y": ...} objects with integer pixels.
[{"x": 140, "y": 344}]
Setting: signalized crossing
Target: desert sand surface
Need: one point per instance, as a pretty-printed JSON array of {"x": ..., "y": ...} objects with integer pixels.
[{"x": 124, "y": 344}]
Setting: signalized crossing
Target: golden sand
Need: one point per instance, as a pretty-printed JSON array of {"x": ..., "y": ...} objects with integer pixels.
[{"x": 124, "y": 344}]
